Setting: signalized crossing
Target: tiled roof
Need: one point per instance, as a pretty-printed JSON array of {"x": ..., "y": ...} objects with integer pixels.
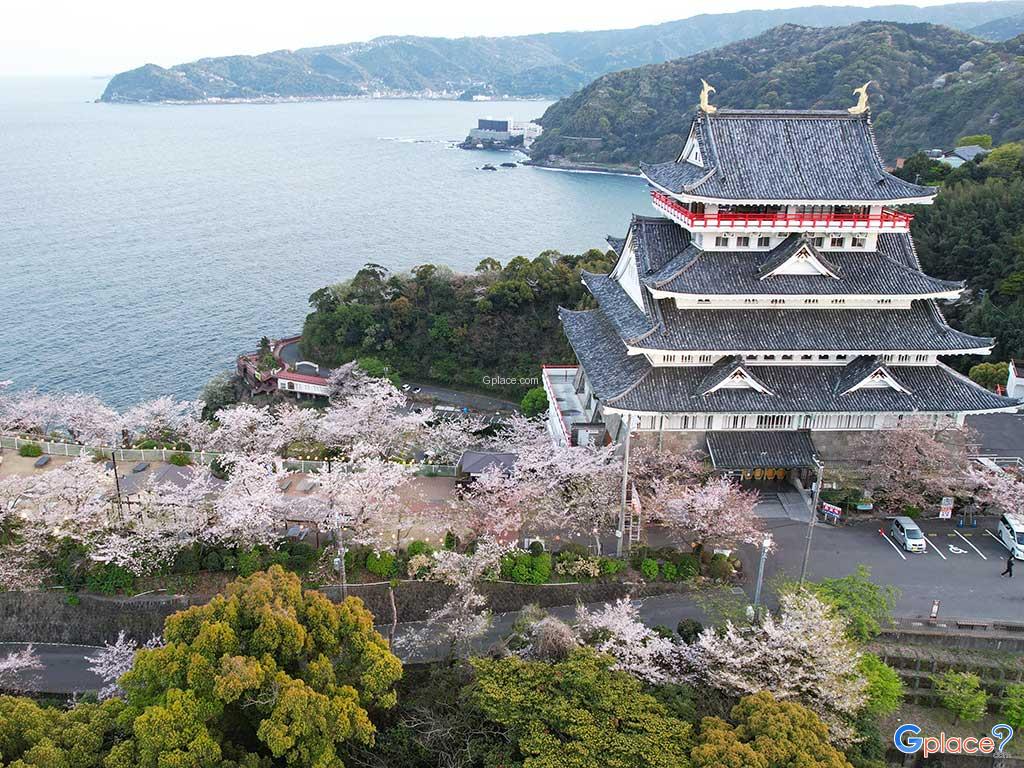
[
  {"x": 807, "y": 389},
  {"x": 857, "y": 370},
  {"x": 785, "y": 250},
  {"x": 610, "y": 370},
  {"x": 785, "y": 155},
  {"x": 629, "y": 320},
  {"x": 740, "y": 330},
  {"x": 888, "y": 271},
  {"x": 722, "y": 370},
  {"x": 617, "y": 243},
  {"x": 656, "y": 241},
  {"x": 769, "y": 448}
]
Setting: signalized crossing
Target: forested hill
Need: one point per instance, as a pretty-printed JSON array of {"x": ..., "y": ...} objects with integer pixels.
[
  {"x": 931, "y": 85},
  {"x": 529, "y": 65}
]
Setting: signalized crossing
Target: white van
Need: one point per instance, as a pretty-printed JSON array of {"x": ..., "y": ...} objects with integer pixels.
[
  {"x": 1011, "y": 534},
  {"x": 907, "y": 534}
]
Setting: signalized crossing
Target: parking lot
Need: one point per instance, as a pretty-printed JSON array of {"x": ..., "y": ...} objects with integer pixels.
[{"x": 960, "y": 566}]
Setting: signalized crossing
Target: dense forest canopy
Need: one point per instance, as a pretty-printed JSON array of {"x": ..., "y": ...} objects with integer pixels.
[
  {"x": 435, "y": 325},
  {"x": 975, "y": 232},
  {"x": 930, "y": 84}
]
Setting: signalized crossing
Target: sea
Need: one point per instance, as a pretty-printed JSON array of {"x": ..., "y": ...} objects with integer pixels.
[{"x": 143, "y": 247}]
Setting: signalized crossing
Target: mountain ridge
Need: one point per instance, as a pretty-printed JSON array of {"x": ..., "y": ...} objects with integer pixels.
[
  {"x": 931, "y": 85},
  {"x": 548, "y": 64}
]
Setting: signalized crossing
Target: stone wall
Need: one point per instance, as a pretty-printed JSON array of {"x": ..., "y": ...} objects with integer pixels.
[{"x": 48, "y": 617}]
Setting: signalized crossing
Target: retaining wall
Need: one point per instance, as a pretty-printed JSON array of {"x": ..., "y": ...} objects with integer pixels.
[{"x": 48, "y": 617}]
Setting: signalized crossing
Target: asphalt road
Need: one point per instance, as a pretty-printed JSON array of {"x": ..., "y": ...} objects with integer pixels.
[{"x": 961, "y": 568}]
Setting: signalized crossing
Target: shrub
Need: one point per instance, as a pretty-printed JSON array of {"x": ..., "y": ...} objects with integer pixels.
[
  {"x": 865, "y": 605},
  {"x": 248, "y": 562},
  {"x": 536, "y": 548},
  {"x": 1013, "y": 705},
  {"x": 541, "y": 568},
  {"x": 961, "y": 693},
  {"x": 610, "y": 566},
  {"x": 109, "y": 578},
  {"x": 524, "y": 568},
  {"x": 669, "y": 572},
  {"x": 451, "y": 541},
  {"x": 649, "y": 568},
  {"x": 912, "y": 512},
  {"x": 419, "y": 548},
  {"x": 687, "y": 567},
  {"x": 662, "y": 631},
  {"x": 30, "y": 450},
  {"x": 180, "y": 459},
  {"x": 720, "y": 568},
  {"x": 535, "y": 402},
  {"x": 301, "y": 555},
  {"x": 187, "y": 560},
  {"x": 689, "y": 629},
  {"x": 572, "y": 550},
  {"x": 218, "y": 470},
  {"x": 213, "y": 561},
  {"x": 382, "y": 564}
]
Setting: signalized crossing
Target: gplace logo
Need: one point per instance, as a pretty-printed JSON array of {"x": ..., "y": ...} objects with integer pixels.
[{"x": 909, "y": 741}]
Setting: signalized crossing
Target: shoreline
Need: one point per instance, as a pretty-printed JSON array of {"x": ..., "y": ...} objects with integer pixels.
[
  {"x": 213, "y": 101},
  {"x": 598, "y": 168}
]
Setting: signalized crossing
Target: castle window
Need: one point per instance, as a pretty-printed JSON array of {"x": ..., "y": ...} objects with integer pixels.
[
  {"x": 806, "y": 357},
  {"x": 810, "y": 301},
  {"x": 922, "y": 358},
  {"x": 858, "y": 241},
  {"x": 838, "y": 301},
  {"x": 721, "y": 241},
  {"x": 750, "y": 301},
  {"x": 705, "y": 358},
  {"x": 823, "y": 357},
  {"x": 837, "y": 241},
  {"x": 764, "y": 241},
  {"x": 818, "y": 242},
  {"x": 743, "y": 242},
  {"x": 778, "y": 301},
  {"x": 668, "y": 358}
]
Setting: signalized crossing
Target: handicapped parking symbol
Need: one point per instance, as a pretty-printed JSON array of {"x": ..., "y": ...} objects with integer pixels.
[{"x": 955, "y": 550}]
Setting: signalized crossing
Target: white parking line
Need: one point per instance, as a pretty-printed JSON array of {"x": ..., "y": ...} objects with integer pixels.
[
  {"x": 893, "y": 544},
  {"x": 971, "y": 545},
  {"x": 998, "y": 540},
  {"x": 937, "y": 550}
]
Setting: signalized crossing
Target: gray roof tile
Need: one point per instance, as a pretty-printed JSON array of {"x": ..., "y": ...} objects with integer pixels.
[
  {"x": 741, "y": 330},
  {"x": 770, "y": 448},
  {"x": 889, "y": 271},
  {"x": 807, "y": 389},
  {"x": 610, "y": 370},
  {"x": 785, "y": 155}
]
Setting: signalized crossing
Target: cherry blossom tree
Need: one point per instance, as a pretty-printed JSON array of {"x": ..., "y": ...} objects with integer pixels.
[
  {"x": 361, "y": 503},
  {"x": 249, "y": 508},
  {"x": 345, "y": 380},
  {"x": 716, "y": 510},
  {"x": 375, "y": 415},
  {"x": 164, "y": 419},
  {"x": 29, "y": 411},
  {"x": 244, "y": 429},
  {"x": 913, "y": 465},
  {"x": 293, "y": 425},
  {"x": 803, "y": 654},
  {"x": 616, "y": 629},
  {"x": 582, "y": 492},
  {"x": 443, "y": 438},
  {"x": 16, "y": 669},
  {"x": 88, "y": 420},
  {"x": 73, "y": 500},
  {"x": 113, "y": 660},
  {"x": 1001, "y": 489}
]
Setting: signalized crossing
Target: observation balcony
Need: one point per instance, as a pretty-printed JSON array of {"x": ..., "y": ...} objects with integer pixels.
[{"x": 884, "y": 220}]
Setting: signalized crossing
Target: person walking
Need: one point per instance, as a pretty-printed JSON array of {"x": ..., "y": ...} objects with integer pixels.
[{"x": 1008, "y": 571}]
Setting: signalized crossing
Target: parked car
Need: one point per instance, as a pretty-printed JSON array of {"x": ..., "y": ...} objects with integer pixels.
[
  {"x": 1011, "y": 534},
  {"x": 907, "y": 534}
]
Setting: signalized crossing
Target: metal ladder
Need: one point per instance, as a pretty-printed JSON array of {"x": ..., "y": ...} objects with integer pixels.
[{"x": 634, "y": 518}]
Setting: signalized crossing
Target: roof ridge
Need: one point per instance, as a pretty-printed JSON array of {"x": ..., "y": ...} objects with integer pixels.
[
  {"x": 970, "y": 381},
  {"x": 630, "y": 388}
]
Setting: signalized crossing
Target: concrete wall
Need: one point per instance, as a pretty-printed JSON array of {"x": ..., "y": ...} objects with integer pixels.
[{"x": 47, "y": 617}]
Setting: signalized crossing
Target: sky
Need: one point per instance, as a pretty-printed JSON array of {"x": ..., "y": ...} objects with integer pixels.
[{"x": 103, "y": 37}]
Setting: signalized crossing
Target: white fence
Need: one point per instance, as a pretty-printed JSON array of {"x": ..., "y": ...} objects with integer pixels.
[{"x": 58, "y": 448}]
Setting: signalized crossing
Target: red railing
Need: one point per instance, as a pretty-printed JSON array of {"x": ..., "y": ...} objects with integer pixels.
[{"x": 887, "y": 219}]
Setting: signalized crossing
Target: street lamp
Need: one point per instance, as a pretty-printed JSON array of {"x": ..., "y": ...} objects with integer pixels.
[
  {"x": 820, "y": 470},
  {"x": 766, "y": 544}
]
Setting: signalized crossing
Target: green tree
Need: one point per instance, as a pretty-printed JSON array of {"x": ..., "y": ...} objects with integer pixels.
[
  {"x": 975, "y": 139},
  {"x": 49, "y": 737},
  {"x": 990, "y": 375},
  {"x": 218, "y": 393},
  {"x": 579, "y": 713},
  {"x": 961, "y": 693},
  {"x": 884, "y": 690},
  {"x": 1013, "y": 705},
  {"x": 765, "y": 733},
  {"x": 535, "y": 402},
  {"x": 1005, "y": 159},
  {"x": 265, "y": 674},
  {"x": 864, "y": 604}
]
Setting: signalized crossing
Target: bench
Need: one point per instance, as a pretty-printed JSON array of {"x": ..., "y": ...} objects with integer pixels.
[
  {"x": 142, "y": 466},
  {"x": 41, "y": 462}
]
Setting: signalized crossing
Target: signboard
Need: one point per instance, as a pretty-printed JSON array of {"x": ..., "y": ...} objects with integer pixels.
[
  {"x": 831, "y": 512},
  {"x": 946, "y": 508}
]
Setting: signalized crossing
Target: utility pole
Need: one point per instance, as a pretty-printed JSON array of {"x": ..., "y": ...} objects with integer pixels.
[
  {"x": 765, "y": 544},
  {"x": 820, "y": 470},
  {"x": 622, "y": 498},
  {"x": 117, "y": 483}
]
